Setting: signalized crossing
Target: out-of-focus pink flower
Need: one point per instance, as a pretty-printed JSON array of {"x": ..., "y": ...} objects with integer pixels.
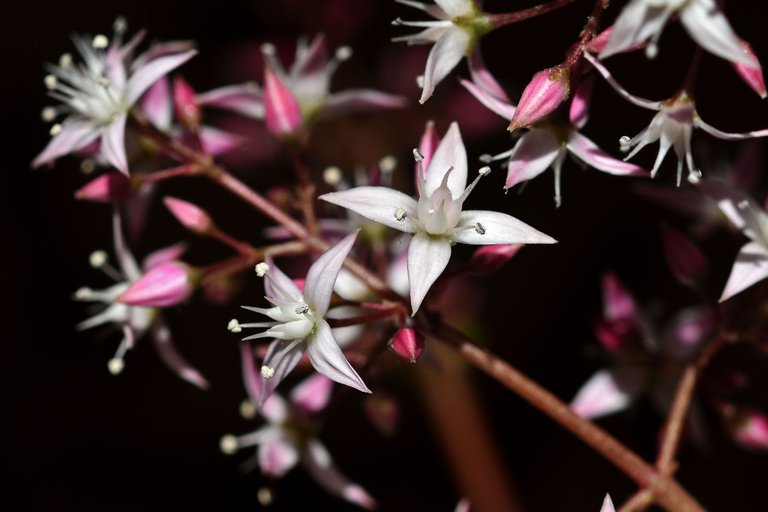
[
  {"x": 109, "y": 187},
  {"x": 166, "y": 284},
  {"x": 189, "y": 215},
  {"x": 98, "y": 95},
  {"x": 408, "y": 344},
  {"x": 185, "y": 104},
  {"x": 546, "y": 91},
  {"x": 282, "y": 114},
  {"x": 489, "y": 259}
]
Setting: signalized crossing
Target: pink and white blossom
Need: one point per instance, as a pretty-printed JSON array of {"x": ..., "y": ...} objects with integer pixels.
[
  {"x": 98, "y": 94},
  {"x": 298, "y": 322},
  {"x": 437, "y": 220}
]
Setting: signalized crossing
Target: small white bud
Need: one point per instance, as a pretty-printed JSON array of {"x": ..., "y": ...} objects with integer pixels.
[
  {"x": 100, "y": 41},
  {"x": 418, "y": 155},
  {"x": 65, "y": 60},
  {"x": 247, "y": 409},
  {"x": 234, "y": 326},
  {"x": 48, "y": 114},
  {"x": 480, "y": 229},
  {"x": 50, "y": 82},
  {"x": 267, "y": 372},
  {"x": 694, "y": 176},
  {"x": 228, "y": 444},
  {"x": 484, "y": 171},
  {"x": 332, "y": 175},
  {"x": 115, "y": 365},
  {"x": 264, "y": 495},
  {"x": 97, "y": 259},
  {"x": 261, "y": 269},
  {"x": 343, "y": 53},
  {"x": 55, "y": 130},
  {"x": 400, "y": 215},
  {"x": 624, "y": 143},
  {"x": 388, "y": 164}
]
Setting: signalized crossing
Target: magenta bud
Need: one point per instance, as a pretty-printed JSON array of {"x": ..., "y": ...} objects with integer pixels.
[
  {"x": 191, "y": 217},
  {"x": 686, "y": 261},
  {"x": 408, "y": 344},
  {"x": 184, "y": 103},
  {"x": 489, "y": 259},
  {"x": 165, "y": 284},
  {"x": 112, "y": 186},
  {"x": 281, "y": 109},
  {"x": 752, "y": 75},
  {"x": 546, "y": 91}
]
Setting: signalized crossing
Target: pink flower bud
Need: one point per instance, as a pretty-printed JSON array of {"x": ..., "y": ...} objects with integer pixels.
[
  {"x": 597, "y": 43},
  {"x": 191, "y": 217},
  {"x": 112, "y": 186},
  {"x": 546, "y": 91},
  {"x": 281, "y": 109},
  {"x": 428, "y": 145},
  {"x": 489, "y": 259},
  {"x": 685, "y": 260},
  {"x": 753, "y": 76},
  {"x": 184, "y": 103},
  {"x": 408, "y": 344},
  {"x": 165, "y": 284}
]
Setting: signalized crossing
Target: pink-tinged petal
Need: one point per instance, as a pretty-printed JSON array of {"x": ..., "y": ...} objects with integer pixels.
[
  {"x": 545, "y": 92},
  {"x": 589, "y": 153},
  {"x": 76, "y": 133},
  {"x": 618, "y": 304},
  {"x": 750, "y": 267},
  {"x": 607, "y": 505},
  {"x": 275, "y": 409},
  {"x": 597, "y": 44},
  {"x": 689, "y": 330},
  {"x": 360, "y": 100},
  {"x": 427, "y": 258},
  {"x": 450, "y": 153},
  {"x": 161, "y": 336},
  {"x": 483, "y": 79},
  {"x": 217, "y": 142},
  {"x": 532, "y": 155},
  {"x": 313, "y": 394},
  {"x": 700, "y": 123},
  {"x": 277, "y": 454},
  {"x": 327, "y": 358},
  {"x": 127, "y": 262},
  {"x": 156, "y": 104},
  {"x": 481, "y": 227},
  {"x": 189, "y": 215},
  {"x": 751, "y": 74},
  {"x": 638, "y": 22},
  {"x": 310, "y": 59},
  {"x": 281, "y": 358},
  {"x": 685, "y": 260},
  {"x": 579, "y": 111},
  {"x": 462, "y": 506},
  {"x": 751, "y": 431},
  {"x": 740, "y": 209},
  {"x": 317, "y": 461},
  {"x": 432, "y": 9},
  {"x": 109, "y": 187},
  {"x": 113, "y": 144},
  {"x": 165, "y": 284},
  {"x": 184, "y": 103},
  {"x": 489, "y": 259},
  {"x": 321, "y": 277},
  {"x": 282, "y": 113},
  {"x": 151, "y": 72},
  {"x": 408, "y": 344},
  {"x": 245, "y": 99},
  {"x": 251, "y": 374},
  {"x": 278, "y": 285},
  {"x": 500, "y": 107},
  {"x": 707, "y": 25},
  {"x": 619, "y": 335},
  {"x": 444, "y": 56},
  {"x": 635, "y": 100},
  {"x": 164, "y": 255},
  {"x": 428, "y": 144},
  {"x": 456, "y": 8},
  {"x": 608, "y": 392},
  {"x": 380, "y": 204}
]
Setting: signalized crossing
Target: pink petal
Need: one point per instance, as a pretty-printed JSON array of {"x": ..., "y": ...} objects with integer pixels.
[
  {"x": 161, "y": 336},
  {"x": 281, "y": 109},
  {"x": 607, "y": 392},
  {"x": 378, "y": 204},
  {"x": 481, "y": 227},
  {"x": 450, "y": 153},
  {"x": 444, "y": 56},
  {"x": 500, "y": 107},
  {"x": 593, "y": 156},
  {"x": 109, "y": 187},
  {"x": 164, "y": 255},
  {"x": 151, "y": 72},
  {"x": 277, "y": 455},
  {"x": 217, "y": 142},
  {"x": 319, "y": 464},
  {"x": 245, "y": 99},
  {"x": 313, "y": 394},
  {"x": 489, "y": 259},
  {"x": 251, "y": 374},
  {"x": 165, "y": 284},
  {"x": 113, "y": 144},
  {"x": 184, "y": 103},
  {"x": 360, "y": 100},
  {"x": 750, "y": 267},
  {"x": 327, "y": 358},
  {"x": 75, "y": 134},
  {"x": 618, "y": 304},
  {"x": 428, "y": 144},
  {"x": 579, "y": 112},
  {"x": 189, "y": 215},
  {"x": 752, "y": 75},
  {"x": 707, "y": 25},
  {"x": 483, "y": 78},
  {"x": 278, "y": 284},
  {"x": 532, "y": 155},
  {"x": 427, "y": 258},
  {"x": 156, "y": 104},
  {"x": 607, "y": 505},
  {"x": 282, "y": 356},
  {"x": 127, "y": 262},
  {"x": 321, "y": 277},
  {"x": 408, "y": 344}
]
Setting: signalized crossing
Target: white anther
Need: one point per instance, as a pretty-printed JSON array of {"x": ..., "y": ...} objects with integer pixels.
[
  {"x": 115, "y": 365},
  {"x": 486, "y": 158},
  {"x": 484, "y": 171},
  {"x": 264, "y": 495},
  {"x": 65, "y": 60},
  {"x": 743, "y": 204},
  {"x": 418, "y": 155},
  {"x": 400, "y": 215},
  {"x": 100, "y": 41},
  {"x": 267, "y": 372},
  {"x": 397, "y": 22},
  {"x": 388, "y": 164},
  {"x": 83, "y": 293},
  {"x": 343, "y": 53},
  {"x": 48, "y": 114},
  {"x": 103, "y": 81},
  {"x": 50, "y": 82},
  {"x": 420, "y": 81},
  {"x": 694, "y": 176},
  {"x": 652, "y": 50},
  {"x": 87, "y": 166},
  {"x": 480, "y": 229},
  {"x": 247, "y": 409},
  {"x": 234, "y": 326},
  {"x": 261, "y": 269},
  {"x": 228, "y": 444},
  {"x": 302, "y": 309},
  {"x": 624, "y": 143},
  {"x": 120, "y": 25},
  {"x": 268, "y": 48},
  {"x": 332, "y": 175},
  {"x": 97, "y": 259}
]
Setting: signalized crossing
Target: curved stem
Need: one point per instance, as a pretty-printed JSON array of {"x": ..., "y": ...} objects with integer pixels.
[{"x": 507, "y": 18}]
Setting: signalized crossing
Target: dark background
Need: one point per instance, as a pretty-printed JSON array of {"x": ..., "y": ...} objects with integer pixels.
[{"x": 76, "y": 438}]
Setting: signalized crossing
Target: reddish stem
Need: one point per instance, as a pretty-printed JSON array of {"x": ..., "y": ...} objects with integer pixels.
[{"x": 507, "y": 18}]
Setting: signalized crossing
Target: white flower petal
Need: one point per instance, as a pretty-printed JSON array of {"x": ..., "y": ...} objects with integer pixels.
[
  {"x": 750, "y": 267},
  {"x": 378, "y": 204},
  {"x": 161, "y": 336},
  {"x": 502, "y": 108},
  {"x": 450, "y": 153},
  {"x": 444, "y": 56},
  {"x": 76, "y": 133},
  {"x": 278, "y": 285},
  {"x": 455, "y": 8},
  {"x": 707, "y": 25},
  {"x": 282, "y": 357},
  {"x": 321, "y": 277},
  {"x": 313, "y": 393},
  {"x": 639, "y": 20},
  {"x": 151, "y": 72},
  {"x": 607, "y": 505},
  {"x": 532, "y": 155},
  {"x": 427, "y": 258},
  {"x": 113, "y": 144},
  {"x": 327, "y": 358},
  {"x": 483, "y": 78},
  {"x": 593, "y": 156},
  {"x": 157, "y": 105},
  {"x": 481, "y": 227},
  {"x": 607, "y": 392},
  {"x": 245, "y": 99},
  {"x": 318, "y": 463},
  {"x": 359, "y": 100}
]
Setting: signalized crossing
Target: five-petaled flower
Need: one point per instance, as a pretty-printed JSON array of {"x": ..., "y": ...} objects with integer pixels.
[
  {"x": 299, "y": 324},
  {"x": 436, "y": 219},
  {"x": 98, "y": 95}
]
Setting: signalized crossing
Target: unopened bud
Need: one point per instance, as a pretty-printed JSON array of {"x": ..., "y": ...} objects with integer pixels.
[
  {"x": 752, "y": 75},
  {"x": 546, "y": 91},
  {"x": 166, "y": 284},
  {"x": 184, "y": 104},
  {"x": 107, "y": 188},
  {"x": 282, "y": 113},
  {"x": 489, "y": 259},
  {"x": 408, "y": 344},
  {"x": 191, "y": 216}
]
